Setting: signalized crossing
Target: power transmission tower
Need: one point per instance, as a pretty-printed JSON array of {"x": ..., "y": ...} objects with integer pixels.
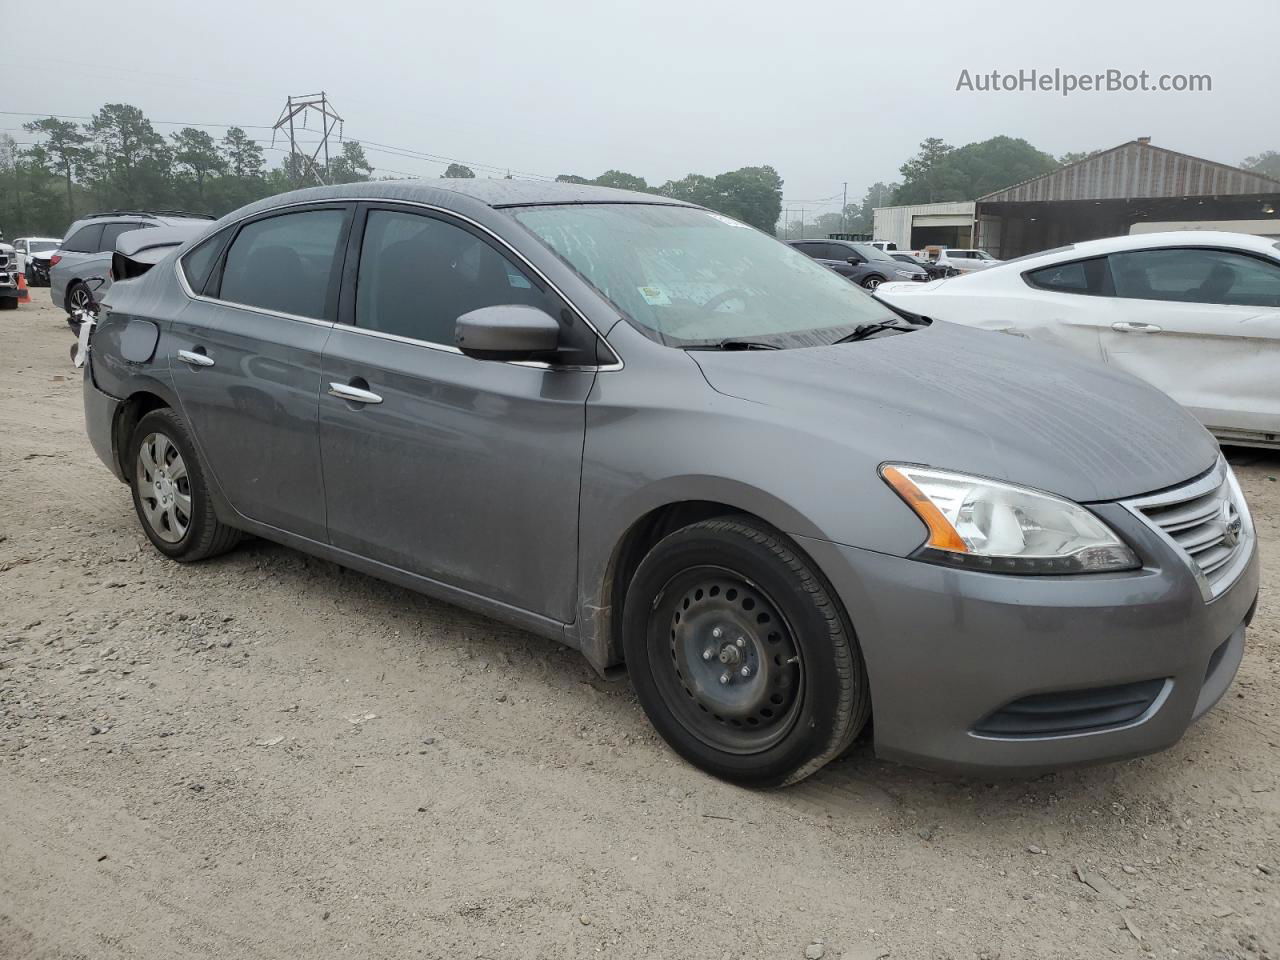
[{"x": 308, "y": 164}]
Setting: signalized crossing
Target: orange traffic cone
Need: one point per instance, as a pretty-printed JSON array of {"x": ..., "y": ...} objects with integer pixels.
[{"x": 24, "y": 295}]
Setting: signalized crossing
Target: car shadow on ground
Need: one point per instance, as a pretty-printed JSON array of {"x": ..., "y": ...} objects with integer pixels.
[{"x": 857, "y": 791}]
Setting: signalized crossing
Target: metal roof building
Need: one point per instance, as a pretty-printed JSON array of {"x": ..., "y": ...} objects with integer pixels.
[{"x": 1119, "y": 191}]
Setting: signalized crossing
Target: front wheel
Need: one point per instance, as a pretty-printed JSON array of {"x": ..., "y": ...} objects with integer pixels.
[
  {"x": 870, "y": 283},
  {"x": 740, "y": 655}
]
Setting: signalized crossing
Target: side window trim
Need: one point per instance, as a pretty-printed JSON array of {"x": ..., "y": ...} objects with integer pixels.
[
  {"x": 213, "y": 286},
  {"x": 351, "y": 270}
]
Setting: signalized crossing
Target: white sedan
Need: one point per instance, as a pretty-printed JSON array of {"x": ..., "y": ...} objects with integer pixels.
[{"x": 1195, "y": 313}]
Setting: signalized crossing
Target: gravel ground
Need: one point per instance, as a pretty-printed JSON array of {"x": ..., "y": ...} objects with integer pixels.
[{"x": 268, "y": 756}]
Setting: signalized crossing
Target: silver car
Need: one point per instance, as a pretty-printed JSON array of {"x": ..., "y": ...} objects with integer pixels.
[
  {"x": 664, "y": 438},
  {"x": 80, "y": 271}
]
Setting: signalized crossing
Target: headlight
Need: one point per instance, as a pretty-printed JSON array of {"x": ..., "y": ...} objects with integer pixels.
[
  {"x": 903, "y": 273},
  {"x": 988, "y": 525}
]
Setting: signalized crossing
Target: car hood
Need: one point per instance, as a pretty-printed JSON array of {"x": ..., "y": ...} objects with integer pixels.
[{"x": 983, "y": 403}]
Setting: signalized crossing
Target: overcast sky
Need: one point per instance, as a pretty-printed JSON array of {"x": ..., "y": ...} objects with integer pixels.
[{"x": 824, "y": 91}]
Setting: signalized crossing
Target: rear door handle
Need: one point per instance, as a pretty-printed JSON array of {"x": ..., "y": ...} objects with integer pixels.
[
  {"x": 197, "y": 358},
  {"x": 1134, "y": 326},
  {"x": 355, "y": 394}
]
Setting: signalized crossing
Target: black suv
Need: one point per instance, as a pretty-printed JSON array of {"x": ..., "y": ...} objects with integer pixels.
[{"x": 860, "y": 262}]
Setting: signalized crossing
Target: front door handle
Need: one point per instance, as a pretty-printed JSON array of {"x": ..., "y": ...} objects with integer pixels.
[
  {"x": 197, "y": 358},
  {"x": 355, "y": 394},
  {"x": 1134, "y": 326}
]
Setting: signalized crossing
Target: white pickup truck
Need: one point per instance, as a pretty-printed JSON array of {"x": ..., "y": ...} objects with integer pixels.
[{"x": 8, "y": 277}]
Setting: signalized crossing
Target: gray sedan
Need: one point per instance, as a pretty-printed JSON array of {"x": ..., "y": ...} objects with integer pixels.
[{"x": 655, "y": 434}]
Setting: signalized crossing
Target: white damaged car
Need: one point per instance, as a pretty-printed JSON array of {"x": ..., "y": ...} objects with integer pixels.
[{"x": 1195, "y": 313}]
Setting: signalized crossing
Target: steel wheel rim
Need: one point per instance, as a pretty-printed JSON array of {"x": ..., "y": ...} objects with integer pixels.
[
  {"x": 164, "y": 487},
  {"x": 738, "y": 697}
]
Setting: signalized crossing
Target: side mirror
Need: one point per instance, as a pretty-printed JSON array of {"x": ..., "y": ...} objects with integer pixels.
[
  {"x": 856, "y": 260},
  {"x": 507, "y": 332}
]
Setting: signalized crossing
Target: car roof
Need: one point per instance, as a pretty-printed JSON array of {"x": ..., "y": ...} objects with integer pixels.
[
  {"x": 491, "y": 193},
  {"x": 465, "y": 196},
  {"x": 158, "y": 219}
]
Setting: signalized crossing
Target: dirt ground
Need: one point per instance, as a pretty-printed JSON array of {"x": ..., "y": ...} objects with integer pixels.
[{"x": 268, "y": 756}]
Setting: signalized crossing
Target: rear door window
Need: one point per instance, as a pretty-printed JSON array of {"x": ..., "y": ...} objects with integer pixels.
[
  {"x": 285, "y": 263},
  {"x": 198, "y": 262},
  {"x": 85, "y": 240}
]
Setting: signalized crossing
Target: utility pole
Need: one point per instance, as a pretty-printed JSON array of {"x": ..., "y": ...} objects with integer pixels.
[
  {"x": 802, "y": 223},
  {"x": 844, "y": 205},
  {"x": 308, "y": 164}
]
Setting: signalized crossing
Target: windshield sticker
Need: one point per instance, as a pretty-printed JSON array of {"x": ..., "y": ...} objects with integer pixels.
[{"x": 655, "y": 296}]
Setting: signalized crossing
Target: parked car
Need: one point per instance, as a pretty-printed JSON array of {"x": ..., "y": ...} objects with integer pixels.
[
  {"x": 862, "y": 263},
  {"x": 936, "y": 271},
  {"x": 965, "y": 261},
  {"x": 660, "y": 436},
  {"x": 1195, "y": 313},
  {"x": 33, "y": 255},
  {"x": 8, "y": 277},
  {"x": 79, "y": 273},
  {"x": 136, "y": 251}
]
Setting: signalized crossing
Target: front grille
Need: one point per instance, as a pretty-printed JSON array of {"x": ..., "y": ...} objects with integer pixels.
[
  {"x": 4, "y": 260},
  {"x": 1207, "y": 523},
  {"x": 1071, "y": 712}
]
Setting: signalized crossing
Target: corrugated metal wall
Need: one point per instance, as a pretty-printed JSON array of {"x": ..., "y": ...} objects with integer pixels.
[{"x": 1136, "y": 170}]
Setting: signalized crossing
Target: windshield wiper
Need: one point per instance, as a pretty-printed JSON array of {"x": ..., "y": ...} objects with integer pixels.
[
  {"x": 864, "y": 330},
  {"x": 733, "y": 344}
]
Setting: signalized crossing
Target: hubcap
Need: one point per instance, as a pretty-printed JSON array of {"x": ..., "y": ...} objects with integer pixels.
[
  {"x": 729, "y": 668},
  {"x": 164, "y": 488}
]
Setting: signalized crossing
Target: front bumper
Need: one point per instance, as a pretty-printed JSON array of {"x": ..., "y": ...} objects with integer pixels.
[
  {"x": 38, "y": 271},
  {"x": 946, "y": 649}
]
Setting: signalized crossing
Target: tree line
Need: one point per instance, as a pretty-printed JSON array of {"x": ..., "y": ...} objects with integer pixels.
[{"x": 118, "y": 160}]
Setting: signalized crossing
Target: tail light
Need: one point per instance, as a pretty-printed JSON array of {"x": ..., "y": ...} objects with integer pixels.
[{"x": 53, "y": 261}]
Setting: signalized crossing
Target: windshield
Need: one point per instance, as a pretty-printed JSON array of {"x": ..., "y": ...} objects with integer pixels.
[
  {"x": 40, "y": 246},
  {"x": 695, "y": 277}
]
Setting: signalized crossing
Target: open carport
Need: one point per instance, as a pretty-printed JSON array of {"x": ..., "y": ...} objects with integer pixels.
[{"x": 1119, "y": 191}]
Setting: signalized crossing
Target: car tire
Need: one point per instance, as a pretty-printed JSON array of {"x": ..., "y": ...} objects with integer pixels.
[
  {"x": 78, "y": 298},
  {"x": 741, "y": 656},
  {"x": 871, "y": 282},
  {"x": 170, "y": 493}
]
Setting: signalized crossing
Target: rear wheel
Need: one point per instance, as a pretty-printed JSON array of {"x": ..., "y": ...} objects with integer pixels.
[
  {"x": 79, "y": 298},
  {"x": 740, "y": 655},
  {"x": 169, "y": 491}
]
